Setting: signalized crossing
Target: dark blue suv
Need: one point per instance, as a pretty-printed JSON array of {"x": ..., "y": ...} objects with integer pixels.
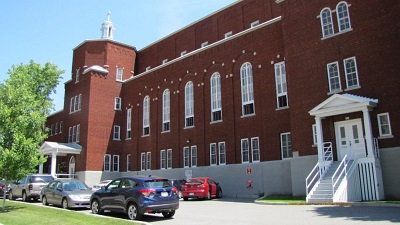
[{"x": 136, "y": 196}]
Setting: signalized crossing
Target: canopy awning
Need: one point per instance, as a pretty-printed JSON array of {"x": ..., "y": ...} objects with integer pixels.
[{"x": 61, "y": 149}]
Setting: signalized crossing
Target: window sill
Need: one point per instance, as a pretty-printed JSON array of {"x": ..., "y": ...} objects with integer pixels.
[
  {"x": 385, "y": 137},
  {"x": 248, "y": 115},
  {"x": 167, "y": 131},
  {"x": 282, "y": 108},
  {"x": 188, "y": 127},
  {"x": 146, "y": 135},
  {"x": 352, "y": 88},
  {"x": 116, "y": 139},
  {"x": 336, "y": 34},
  {"x": 128, "y": 139},
  {"x": 335, "y": 92},
  {"x": 218, "y": 121}
]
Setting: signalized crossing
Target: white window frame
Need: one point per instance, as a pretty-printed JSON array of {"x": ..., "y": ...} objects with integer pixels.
[
  {"x": 56, "y": 129},
  {"x": 164, "y": 61},
  {"x": 143, "y": 161},
  {"x": 76, "y": 103},
  {"x": 380, "y": 125},
  {"x": 71, "y": 105},
  {"x": 166, "y": 110},
  {"x": 189, "y": 104},
  {"x": 343, "y": 17},
  {"x": 148, "y": 68},
  {"x": 281, "y": 85},
  {"x": 74, "y": 134},
  {"x": 255, "y": 150},
  {"x": 221, "y": 153},
  {"x": 117, "y": 133},
  {"x": 286, "y": 146},
  {"x": 146, "y": 116},
  {"x": 245, "y": 150},
  {"x": 148, "y": 161},
  {"x": 333, "y": 76},
  {"x": 117, "y": 103},
  {"x": 255, "y": 23},
  {"x": 169, "y": 158},
  {"x": 193, "y": 156},
  {"x": 163, "y": 163},
  {"x": 216, "y": 104},
  {"x": 326, "y": 22},
  {"x": 80, "y": 102},
  {"x": 228, "y": 34},
  {"x": 77, "y": 75},
  {"x": 186, "y": 157},
  {"x": 78, "y": 133},
  {"x": 51, "y": 130},
  {"x": 61, "y": 126},
  {"x": 69, "y": 134},
  {"x": 213, "y": 154},
  {"x": 129, "y": 124},
  {"x": 128, "y": 162},
  {"x": 246, "y": 81},
  {"x": 115, "y": 163},
  {"x": 314, "y": 132},
  {"x": 204, "y": 44},
  {"x": 107, "y": 162},
  {"x": 183, "y": 53},
  {"x": 120, "y": 73},
  {"x": 350, "y": 70}
]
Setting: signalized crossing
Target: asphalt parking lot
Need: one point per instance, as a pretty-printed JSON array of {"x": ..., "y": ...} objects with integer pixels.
[{"x": 244, "y": 211}]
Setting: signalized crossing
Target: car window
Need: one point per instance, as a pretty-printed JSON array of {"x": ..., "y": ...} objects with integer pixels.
[
  {"x": 52, "y": 185},
  {"x": 58, "y": 185},
  {"x": 114, "y": 184},
  {"x": 40, "y": 179},
  {"x": 157, "y": 183},
  {"x": 127, "y": 183},
  {"x": 196, "y": 181}
]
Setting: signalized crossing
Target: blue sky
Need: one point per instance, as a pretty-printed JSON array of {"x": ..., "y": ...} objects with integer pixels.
[{"x": 48, "y": 30}]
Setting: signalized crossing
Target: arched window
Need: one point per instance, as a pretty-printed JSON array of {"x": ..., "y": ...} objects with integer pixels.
[
  {"x": 343, "y": 17},
  {"x": 216, "y": 108},
  {"x": 146, "y": 115},
  {"x": 326, "y": 22},
  {"x": 189, "y": 105},
  {"x": 246, "y": 80},
  {"x": 166, "y": 110}
]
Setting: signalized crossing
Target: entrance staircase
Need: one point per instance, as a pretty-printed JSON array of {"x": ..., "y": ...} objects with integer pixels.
[{"x": 323, "y": 192}]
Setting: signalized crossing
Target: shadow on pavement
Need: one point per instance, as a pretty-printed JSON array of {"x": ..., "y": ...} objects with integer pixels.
[{"x": 361, "y": 213}]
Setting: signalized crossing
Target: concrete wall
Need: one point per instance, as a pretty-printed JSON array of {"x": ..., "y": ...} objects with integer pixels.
[{"x": 390, "y": 172}]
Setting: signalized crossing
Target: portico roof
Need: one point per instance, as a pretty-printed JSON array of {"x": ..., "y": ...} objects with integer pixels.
[
  {"x": 48, "y": 148},
  {"x": 341, "y": 104}
]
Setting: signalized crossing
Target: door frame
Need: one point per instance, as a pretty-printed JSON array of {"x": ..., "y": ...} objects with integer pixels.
[{"x": 359, "y": 123}]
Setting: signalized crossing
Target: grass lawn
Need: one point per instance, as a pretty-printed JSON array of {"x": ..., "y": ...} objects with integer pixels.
[
  {"x": 284, "y": 198},
  {"x": 25, "y": 213}
]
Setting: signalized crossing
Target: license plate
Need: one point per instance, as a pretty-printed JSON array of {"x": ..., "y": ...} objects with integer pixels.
[
  {"x": 164, "y": 194},
  {"x": 191, "y": 193}
]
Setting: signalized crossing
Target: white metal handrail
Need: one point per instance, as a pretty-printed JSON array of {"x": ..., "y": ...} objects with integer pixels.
[
  {"x": 317, "y": 172},
  {"x": 327, "y": 151},
  {"x": 312, "y": 178}
]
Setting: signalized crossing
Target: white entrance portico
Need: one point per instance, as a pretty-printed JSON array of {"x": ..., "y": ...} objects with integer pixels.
[{"x": 55, "y": 149}]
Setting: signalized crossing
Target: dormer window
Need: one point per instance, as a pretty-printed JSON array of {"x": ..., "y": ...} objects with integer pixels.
[
  {"x": 164, "y": 61},
  {"x": 183, "y": 53},
  {"x": 255, "y": 23},
  {"x": 228, "y": 34},
  {"x": 204, "y": 44}
]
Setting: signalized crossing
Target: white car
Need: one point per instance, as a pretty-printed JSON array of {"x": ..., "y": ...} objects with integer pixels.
[{"x": 101, "y": 184}]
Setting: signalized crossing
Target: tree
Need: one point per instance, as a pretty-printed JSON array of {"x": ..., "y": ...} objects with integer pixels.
[{"x": 25, "y": 104}]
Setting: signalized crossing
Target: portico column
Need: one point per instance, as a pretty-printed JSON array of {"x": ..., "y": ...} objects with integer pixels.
[
  {"x": 41, "y": 168},
  {"x": 54, "y": 162},
  {"x": 368, "y": 133},
  {"x": 320, "y": 138}
]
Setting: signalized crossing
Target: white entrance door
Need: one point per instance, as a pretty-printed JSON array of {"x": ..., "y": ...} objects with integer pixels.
[{"x": 349, "y": 137}]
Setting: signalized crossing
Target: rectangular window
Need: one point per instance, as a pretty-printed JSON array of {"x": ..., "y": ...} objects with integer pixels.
[
  {"x": 164, "y": 61},
  {"x": 77, "y": 76},
  {"x": 255, "y": 23},
  {"x": 117, "y": 132},
  {"x": 107, "y": 162},
  {"x": 286, "y": 145},
  {"x": 71, "y": 105},
  {"x": 162, "y": 159},
  {"x": 78, "y": 133},
  {"x": 169, "y": 158},
  {"x": 333, "y": 77},
  {"x": 116, "y": 163},
  {"x": 222, "y": 153},
  {"x": 128, "y": 162},
  {"x": 148, "y": 68},
  {"x": 314, "y": 132},
  {"x": 245, "y": 150},
  {"x": 213, "y": 154},
  {"x": 194, "y": 155},
  {"x": 74, "y": 133},
  {"x": 142, "y": 161},
  {"x": 80, "y": 102},
  {"x": 185, "y": 156},
  {"x": 255, "y": 149},
  {"x": 76, "y": 102},
  {"x": 129, "y": 124},
  {"x": 166, "y": 111},
  {"x": 61, "y": 126},
  {"x": 281, "y": 86},
  {"x": 148, "y": 161},
  {"x": 350, "y": 69},
  {"x": 146, "y": 116},
  {"x": 384, "y": 125},
  {"x": 228, "y": 34},
  {"x": 183, "y": 53},
  {"x": 120, "y": 72},
  {"x": 52, "y": 130},
  {"x": 56, "y": 129},
  {"x": 204, "y": 44},
  {"x": 69, "y": 134},
  {"x": 117, "y": 103}
]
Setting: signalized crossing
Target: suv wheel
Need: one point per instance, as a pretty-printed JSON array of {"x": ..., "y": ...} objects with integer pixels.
[
  {"x": 10, "y": 196},
  {"x": 95, "y": 207},
  {"x": 24, "y": 197},
  {"x": 44, "y": 200},
  {"x": 169, "y": 214},
  {"x": 133, "y": 212}
]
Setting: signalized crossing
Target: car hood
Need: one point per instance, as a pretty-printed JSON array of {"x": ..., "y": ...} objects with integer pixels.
[{"x": 80, "y": 192}]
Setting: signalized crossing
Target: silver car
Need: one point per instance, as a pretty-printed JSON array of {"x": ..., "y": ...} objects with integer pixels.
[{"x": 69, "y": 193}]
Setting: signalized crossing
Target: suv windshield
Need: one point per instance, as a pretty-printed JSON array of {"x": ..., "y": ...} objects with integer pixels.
[
  {"x": 41, "y": 179},
  {"x": 157, "y": 183}
]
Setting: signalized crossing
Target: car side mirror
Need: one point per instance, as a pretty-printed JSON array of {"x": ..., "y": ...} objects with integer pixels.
[{"x": 103, "y": 188}]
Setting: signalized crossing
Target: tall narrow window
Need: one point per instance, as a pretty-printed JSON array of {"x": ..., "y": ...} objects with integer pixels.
[
  {"x": 74, "y": 134},
  {"x": 146, "y": 115},
  {"x": 120, "y": 72},
  {"x": 56, "y": 129},
  {"x": 162, "y": 159},
  {"x": 213, "y": 154},
  {"x": 286, "y": 145},
  {"x": 69, "y": 134},
  {"x": 117, "y": 130},
  {"x": 71, "y": 105},
  {"x": 79, "y": 101},
  {"x": 128, "y": 123},
  {"x": 78, "y": 133},
  {"x": 222, "y": 153},
  {"x": 326, "y": 22},
  {"x": 77, "y": 75},
  {"x": 384, "y": 125},
  {"x": 216, "y": 108},
  {"x": 350, "y": 68},
  {"x": 333, "y": 77},
  {"x": 128, "y": 162},
  {"x": 189, "y": 105},
  {"x": 193, "y": 155},
  {"x": 245, "y": 150},
  {"x": 246, "y": 80},
  {"x": 169, "y": 158},
  {"x": 107, "y": 161},
  {"x": 76, "y": 105},
  {"x": 314, "y": 131},
  {"x": 281, "y": 86},
  {"x": 343, "y": 16},
  {"x": 185, "y": 156},
  {"x": 255, "y": 149},
  {"x": 61, "y": 126},
  {"x": 166, "y": 111},
  {"x": 142, "y": 161},
  {"x": 52, "y": 130},
  {"x": 148, "y": 161},
  {"x": 117, "y": 103},
  {"x": 116, "y": 163}
]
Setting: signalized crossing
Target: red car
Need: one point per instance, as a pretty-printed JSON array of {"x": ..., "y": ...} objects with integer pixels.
[{"x": 201, "y": 187}]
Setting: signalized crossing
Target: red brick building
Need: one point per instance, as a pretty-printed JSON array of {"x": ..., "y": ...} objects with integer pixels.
[{"x": 263, "y": 86}]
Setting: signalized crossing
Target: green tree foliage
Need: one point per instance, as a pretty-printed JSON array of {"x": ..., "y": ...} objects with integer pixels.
[{"x": 25, "y": 104}]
